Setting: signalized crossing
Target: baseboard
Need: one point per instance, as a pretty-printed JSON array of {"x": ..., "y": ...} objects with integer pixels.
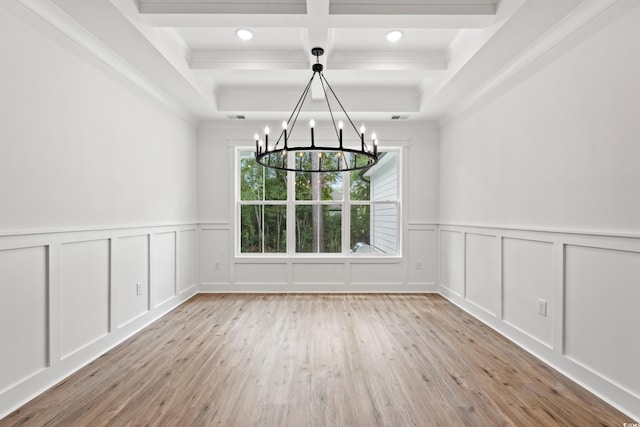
[{"x": 318, "y": 288}]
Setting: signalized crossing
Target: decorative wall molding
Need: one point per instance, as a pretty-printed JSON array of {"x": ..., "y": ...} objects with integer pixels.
[
  {"x": 51, "y": 282},
  {"x": 420, "y": 225},
  {"x": 570, "y": 264},
  {"x": 524, "y": 228},
  {"x": 110, "y": 228},
  {"x": 583, "y": 335},
  {"x": 223, "y": 271}
]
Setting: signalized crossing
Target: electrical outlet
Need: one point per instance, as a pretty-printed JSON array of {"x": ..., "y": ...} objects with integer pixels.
[
  {"x": 542, "y": 307},
  {"x": 418, "y": 265},
  {"x": 138, "y": 288},
  {"x": 218, "y": 265}
]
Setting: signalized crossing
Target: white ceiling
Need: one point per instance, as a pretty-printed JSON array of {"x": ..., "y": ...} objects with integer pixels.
[{"x": 189, "y": 50}]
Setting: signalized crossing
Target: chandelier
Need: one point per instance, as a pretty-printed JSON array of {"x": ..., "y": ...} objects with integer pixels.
[{"x": 348, "y": 154}]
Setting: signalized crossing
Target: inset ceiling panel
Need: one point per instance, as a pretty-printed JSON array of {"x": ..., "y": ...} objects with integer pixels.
[
  {"x": 224, "y": 6},
  {"x": 413, "y": 7}
]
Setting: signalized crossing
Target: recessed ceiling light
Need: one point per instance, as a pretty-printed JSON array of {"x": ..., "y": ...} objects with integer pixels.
[
  {"x": 244, "y": 34},
  {"x": 394, "y": 36}
]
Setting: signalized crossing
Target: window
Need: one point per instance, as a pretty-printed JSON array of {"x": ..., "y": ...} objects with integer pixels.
[
  {"x": 263, "y": 207},
  {"x": 353, "y": 212}
]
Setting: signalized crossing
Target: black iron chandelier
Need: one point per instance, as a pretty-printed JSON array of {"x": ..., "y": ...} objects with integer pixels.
[{"x": 283, "y": 155}]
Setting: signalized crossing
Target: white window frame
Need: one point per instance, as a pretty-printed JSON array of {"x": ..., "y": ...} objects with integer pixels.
[{"x": 291, "y": 204}]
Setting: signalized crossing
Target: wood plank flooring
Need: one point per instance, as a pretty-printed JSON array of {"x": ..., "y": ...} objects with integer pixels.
[{"x": 316, "y": 360}]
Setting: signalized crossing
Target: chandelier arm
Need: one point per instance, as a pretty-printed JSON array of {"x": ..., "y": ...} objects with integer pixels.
[
  {"x": 333, "y": 120},
  {"x": 340, "y": 104},
  {"x": 300, "y": 103}
]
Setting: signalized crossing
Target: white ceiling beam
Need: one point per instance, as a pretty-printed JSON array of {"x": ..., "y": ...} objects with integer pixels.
[
  {"x": 388, "y": 61},
  {"x": 248, "y": 60},
  {"x": 317, "y": 36},
  {"x": 281, "y": 100},
  {"x": 187, "y": 20},
  {"x": 213, "y": 60},
  {"x": 194, "y": 20},
  {"x": 411, "y": 21}
]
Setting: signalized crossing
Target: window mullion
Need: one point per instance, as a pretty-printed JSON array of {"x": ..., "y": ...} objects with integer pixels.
[
  {"x": 346, "y": 212},
  {"x": 291, "y": 208},
  {"x": 264, "y": 193}
]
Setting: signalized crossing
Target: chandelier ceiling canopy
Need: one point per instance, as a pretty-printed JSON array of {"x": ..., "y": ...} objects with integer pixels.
[{"x": 348, "y": 152}]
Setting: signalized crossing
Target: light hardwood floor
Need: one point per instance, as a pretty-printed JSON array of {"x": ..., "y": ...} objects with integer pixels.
[{"x": 316, "y": 360}]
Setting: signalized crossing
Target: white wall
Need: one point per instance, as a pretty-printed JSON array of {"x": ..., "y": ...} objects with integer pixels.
[
  {"x": 97, "y": 193},
  {"x": 87, "y": 151},
  {"x": 558, "y": 149},
  {"x": 221, "y": 270},
  {"x": 539, "y": 200}
]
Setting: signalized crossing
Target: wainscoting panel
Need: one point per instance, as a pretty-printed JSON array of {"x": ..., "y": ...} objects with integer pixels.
[
  {"x": 316, "y": 273},
  {"x": 85, "y": 281},
  {"x": 23, "y": 314},
  {"x": 589, "y": 281},
  {"x": 256, "y": 273},
  {"x": 213, "y": 255},
  {"x": 379, "y": 273},
  {"x": 222, "y": 271},
  {"x": 68, "y": 296},
  {"x": 452, "y": 261},
  {"x": 186, "y": 260},
  {"x": 483, "y": 272},
  {"x": 422, "y": 255},
  {"x": 527, "y": 278},
  {"x": 134, "y": 268},
  {"x": 163, "y": 267},
  {"x": 602, "y": 300}
]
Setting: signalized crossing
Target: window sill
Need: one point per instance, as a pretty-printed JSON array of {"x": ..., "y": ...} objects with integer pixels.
[{"x": 317, "y": 259}]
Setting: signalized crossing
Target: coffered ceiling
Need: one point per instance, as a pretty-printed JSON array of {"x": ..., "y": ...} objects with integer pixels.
[{"x": 189, "y": 51}]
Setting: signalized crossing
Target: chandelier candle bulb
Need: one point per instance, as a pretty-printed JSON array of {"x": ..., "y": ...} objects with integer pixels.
[
  {"x": 340, "y": 125},
  {"x": 256, "y": 137},
  {"x": 373, "y": 140},
  {"x": 362, "y": 129},
  {"x": 284, "y": 129},
  {"x": 312, "y": 123}
]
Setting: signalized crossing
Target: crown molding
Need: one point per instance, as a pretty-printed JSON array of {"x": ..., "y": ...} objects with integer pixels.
[
  {"x": 74, "y": 32},
  {"x": 573, "y": 22}
]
